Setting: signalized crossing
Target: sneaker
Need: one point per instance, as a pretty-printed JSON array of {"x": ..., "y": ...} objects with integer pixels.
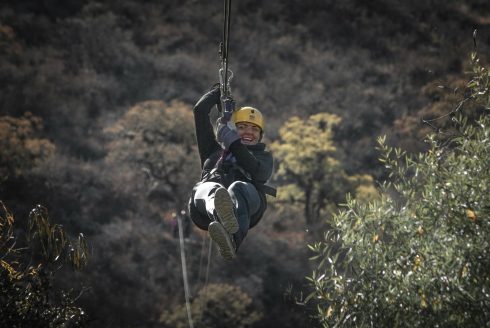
[
  {"x": 219, "y": 235},
  {"x": 225, "y": 210}
]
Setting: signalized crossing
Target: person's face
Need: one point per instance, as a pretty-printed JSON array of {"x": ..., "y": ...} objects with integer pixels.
[{"x": 248, "y": 132}]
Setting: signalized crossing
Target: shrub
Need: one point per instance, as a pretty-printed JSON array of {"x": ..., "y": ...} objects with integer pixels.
[
  {"x": 419, "y": 256},
  {"x": 218, "y": 305},
  {"x": 27, "y": 297}
]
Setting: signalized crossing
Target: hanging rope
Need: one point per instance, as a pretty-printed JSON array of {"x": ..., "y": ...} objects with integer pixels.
[
  {"x": 201, "y": 259},
  {"x": 203, "y": 248},
  {"x": 210, "y": 249},
  {"x": 184, "y": 273},
  {"x": 184, "y": 270}
]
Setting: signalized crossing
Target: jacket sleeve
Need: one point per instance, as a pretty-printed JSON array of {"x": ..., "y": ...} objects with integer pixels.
[
  {"x": 259, "y": 166},
  {"x": 206, "y": 140}
]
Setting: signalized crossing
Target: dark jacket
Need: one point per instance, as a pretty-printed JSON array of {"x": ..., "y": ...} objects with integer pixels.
[{"x": 248, "y": 163}]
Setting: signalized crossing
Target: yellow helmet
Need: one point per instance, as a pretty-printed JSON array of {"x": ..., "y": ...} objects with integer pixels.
[{"x": 249, "y": 115}]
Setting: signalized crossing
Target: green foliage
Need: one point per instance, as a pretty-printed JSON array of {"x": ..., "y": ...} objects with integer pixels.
[
  {"x": 447, "y": 97},
  {"x": 479, "y": 83},
  {"x": 308, "y": 171},
  {"x": 27, "y": 296},
  {"x": 218, "y": 305},
  {"x": 419, "y": 256}
]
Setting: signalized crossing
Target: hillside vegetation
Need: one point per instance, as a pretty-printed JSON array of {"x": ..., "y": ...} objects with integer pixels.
[{"x": 96, "y": 125}]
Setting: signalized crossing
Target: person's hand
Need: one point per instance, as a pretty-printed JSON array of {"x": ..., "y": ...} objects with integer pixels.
[
  {"x": 211, "y": 97},
  {"x": 215, "y": 87},
  {"x": 226, "y": 134},
  {"x": 214, "y": 92}
]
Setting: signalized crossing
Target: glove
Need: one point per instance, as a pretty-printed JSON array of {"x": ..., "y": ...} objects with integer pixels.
[{"x": 226, "y": 134}]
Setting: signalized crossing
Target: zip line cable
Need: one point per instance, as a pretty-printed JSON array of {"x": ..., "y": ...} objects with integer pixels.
[
  {"x": 223, "y": 51},
  {"x": 226, "y": 105}
]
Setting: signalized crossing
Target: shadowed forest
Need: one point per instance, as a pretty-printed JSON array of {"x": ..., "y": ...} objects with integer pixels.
[{"x": 96, "y": 126}]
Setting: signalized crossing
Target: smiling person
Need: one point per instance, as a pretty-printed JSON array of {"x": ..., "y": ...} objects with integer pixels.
[{"x": 230, "y": 198}]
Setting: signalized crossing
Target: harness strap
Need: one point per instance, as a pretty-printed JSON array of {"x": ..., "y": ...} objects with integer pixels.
[{"x": 266, "y": 189}]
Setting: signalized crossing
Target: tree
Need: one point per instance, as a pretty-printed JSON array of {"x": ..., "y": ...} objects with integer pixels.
[
  {"x": 154, "y": 145},
  {"x": 445, "y": 98},
  {"x": 308, "y": 172},
  {"x": 27, "y": 274},
  {"x": 419, "y": 256},
  {"x": 22, "y": 146}
]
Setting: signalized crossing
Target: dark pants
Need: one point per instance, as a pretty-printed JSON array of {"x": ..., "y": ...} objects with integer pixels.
[{"x": 244, "y": 196}]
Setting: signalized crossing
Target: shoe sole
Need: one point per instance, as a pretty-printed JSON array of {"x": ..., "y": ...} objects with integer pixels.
[
  {"x": 219, "y": 235},
  {"x": 225, "y": 210}
]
